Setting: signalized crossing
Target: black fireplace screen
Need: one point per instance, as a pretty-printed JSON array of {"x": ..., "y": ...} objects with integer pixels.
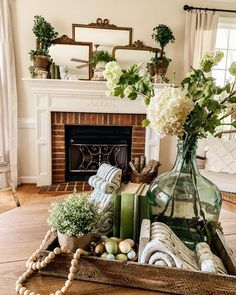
[{"x": 87, "y": 147}]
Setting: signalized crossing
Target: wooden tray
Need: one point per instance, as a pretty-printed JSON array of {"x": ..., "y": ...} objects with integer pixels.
[{"x": 150, "y": 277}]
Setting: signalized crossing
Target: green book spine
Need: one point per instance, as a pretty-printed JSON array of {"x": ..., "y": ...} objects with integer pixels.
[
  {"x": 127, "y": 215},
  {"x": 57, "y": 72},
  {"x": 52, "y": 71},
  {"x": 116, "y": 215},
  {"x": 144, "y": 209},
  {"x": 136, "y": 227}
]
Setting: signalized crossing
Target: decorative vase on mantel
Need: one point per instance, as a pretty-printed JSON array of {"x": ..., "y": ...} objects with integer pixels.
[
  {"x": 185, "y": 200},
  {"x": 98, "y": 71}
]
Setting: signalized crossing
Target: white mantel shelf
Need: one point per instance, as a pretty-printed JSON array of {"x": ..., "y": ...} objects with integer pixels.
[
  {"x": 76, "y": 96},
  {"x": 92, "y": 96}
]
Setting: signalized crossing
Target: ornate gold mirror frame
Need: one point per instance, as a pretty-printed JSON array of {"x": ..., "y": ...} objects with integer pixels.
[
  {"x": 102, "y": 34},
  {"x": 134, "y": 53},
  {"x": 75, "y": 55}
]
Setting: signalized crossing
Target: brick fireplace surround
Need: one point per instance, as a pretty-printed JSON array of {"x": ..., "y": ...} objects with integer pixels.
[{"x": 60, "y": 119}]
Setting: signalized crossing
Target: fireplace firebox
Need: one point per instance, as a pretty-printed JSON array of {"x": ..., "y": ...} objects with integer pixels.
[{"x": 87, "y": 147}]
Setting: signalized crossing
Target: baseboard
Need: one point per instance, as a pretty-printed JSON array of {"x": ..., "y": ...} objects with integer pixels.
[{"x": 28, "y": 179}]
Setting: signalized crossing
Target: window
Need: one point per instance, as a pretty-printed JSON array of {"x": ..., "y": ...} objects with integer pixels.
[{"x": 226, "y": 42}]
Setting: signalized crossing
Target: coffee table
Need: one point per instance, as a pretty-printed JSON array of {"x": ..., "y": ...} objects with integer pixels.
[{"x": 23, "y": 228}]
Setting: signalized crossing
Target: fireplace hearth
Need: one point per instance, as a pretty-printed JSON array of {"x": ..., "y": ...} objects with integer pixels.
[{"x": 87, "y": 147}]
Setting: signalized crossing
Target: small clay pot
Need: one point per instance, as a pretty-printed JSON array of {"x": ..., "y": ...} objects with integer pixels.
[
  {"x": 41, "y": 62},
  {"x": 161, "y": 67},
  {"x": 73, "y": 242}
]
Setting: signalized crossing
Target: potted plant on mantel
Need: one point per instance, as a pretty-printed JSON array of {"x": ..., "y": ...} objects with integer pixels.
[
  {"x": 44, "y": 33},
  {"x": 76, "y": 220},
  {"x": 98, "y": 62},
  {"x": 162, "y": 34}
]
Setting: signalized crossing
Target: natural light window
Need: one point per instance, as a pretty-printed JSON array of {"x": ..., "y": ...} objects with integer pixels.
[{"x": 226, "y": 42}]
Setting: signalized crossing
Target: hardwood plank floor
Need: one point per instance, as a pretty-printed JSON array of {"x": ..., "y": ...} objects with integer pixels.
[{"x": 27, "y": 193}]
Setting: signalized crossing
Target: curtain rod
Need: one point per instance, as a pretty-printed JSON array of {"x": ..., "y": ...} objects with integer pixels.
[{"x": 190, "y": 8}]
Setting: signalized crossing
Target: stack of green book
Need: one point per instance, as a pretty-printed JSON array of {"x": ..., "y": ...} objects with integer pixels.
[
  {"x": 54, "y": 71},
  {"x": 130, "y": 208}
]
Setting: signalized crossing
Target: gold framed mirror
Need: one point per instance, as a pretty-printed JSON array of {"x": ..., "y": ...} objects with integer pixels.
[
  {"x": 135, "y": 53},
  {"x": 102, "y": 34},
  {"x": 74, "y": 55}
]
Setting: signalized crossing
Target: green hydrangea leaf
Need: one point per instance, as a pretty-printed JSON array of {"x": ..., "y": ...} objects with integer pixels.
[
  {"x": 232, "y": 99},
  {"x": 145, "y": 123}
]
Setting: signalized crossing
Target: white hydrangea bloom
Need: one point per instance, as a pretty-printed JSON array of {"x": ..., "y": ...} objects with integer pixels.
[
  {"x": 128, "y": 90},
  {"x": 168, "y": 111},
  {"x": 111, "y": 89},
  {"x": 112, "y": 72}
]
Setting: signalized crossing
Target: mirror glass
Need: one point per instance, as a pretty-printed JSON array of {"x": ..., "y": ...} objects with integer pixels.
[
  {"x": 135, "y": 54},
  {"x": 103, "y": 35},
  {"x": 129, "y": 57},
  {"x": 74, "y": 55}
]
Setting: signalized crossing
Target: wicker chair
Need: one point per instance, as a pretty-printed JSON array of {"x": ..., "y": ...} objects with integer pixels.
[{"x": 223, "y": 180}]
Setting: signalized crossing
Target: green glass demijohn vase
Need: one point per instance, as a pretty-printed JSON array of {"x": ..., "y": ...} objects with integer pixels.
[{"x": 185, "y": 200}]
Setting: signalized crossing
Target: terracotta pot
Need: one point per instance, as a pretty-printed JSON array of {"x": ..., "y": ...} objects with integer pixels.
[
  {"x": 161, "y": 67},
  {"x": 41, "y": 62},
  {"x": 73, "y": 242}
]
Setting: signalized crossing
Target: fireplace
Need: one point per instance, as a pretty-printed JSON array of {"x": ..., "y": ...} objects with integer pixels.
[
  {"x": 122, "y": 134},
  {"x": 66, "y": 102},
  {"x": 87, "y": 147}
]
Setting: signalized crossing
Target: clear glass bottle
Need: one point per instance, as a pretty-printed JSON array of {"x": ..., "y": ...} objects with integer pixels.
[{"x": 185, "y": 200}]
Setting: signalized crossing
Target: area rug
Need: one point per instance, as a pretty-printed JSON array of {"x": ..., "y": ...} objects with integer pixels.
[{"x": 65, "y": 187}]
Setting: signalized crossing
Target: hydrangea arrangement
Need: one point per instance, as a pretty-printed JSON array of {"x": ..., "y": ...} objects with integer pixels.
[
  {"x": 195, "y": 109},
  {"x": 168, "y": 110},
  {"x": 74, "y": 216}
]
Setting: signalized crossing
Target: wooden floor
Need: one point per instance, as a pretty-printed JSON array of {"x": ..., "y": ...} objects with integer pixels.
[{"x": 28, "y": 193}]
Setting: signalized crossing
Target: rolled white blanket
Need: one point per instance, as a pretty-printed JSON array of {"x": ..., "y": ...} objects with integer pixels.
[
  {"x": 108, "y": 187},
  {"x": 103, "y": 186}
]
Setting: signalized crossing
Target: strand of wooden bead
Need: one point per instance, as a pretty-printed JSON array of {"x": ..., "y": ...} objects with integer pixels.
[{"x": 33, "y": 264}]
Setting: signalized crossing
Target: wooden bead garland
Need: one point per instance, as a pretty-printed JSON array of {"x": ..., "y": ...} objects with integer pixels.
[{"x": 33, "y": 264}]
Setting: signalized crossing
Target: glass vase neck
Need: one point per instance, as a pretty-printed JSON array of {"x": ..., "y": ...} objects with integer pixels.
[{"x": 186, "y": 156}]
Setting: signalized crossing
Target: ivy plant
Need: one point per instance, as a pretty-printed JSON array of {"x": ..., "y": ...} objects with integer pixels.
[
  {"x": 43, "y": 31},
  {"x": 101, "y": 56}
]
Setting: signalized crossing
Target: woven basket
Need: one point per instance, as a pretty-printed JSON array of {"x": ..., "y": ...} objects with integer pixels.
[{"x": 143, "y": 178}]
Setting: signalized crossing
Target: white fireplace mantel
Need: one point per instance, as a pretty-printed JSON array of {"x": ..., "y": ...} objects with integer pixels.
[{"x": 76, "y": 96}]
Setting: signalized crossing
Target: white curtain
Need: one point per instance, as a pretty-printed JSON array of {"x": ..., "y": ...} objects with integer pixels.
[
  {"x": 8, "y": 93},
  {"x": 200, "y": 36}
]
